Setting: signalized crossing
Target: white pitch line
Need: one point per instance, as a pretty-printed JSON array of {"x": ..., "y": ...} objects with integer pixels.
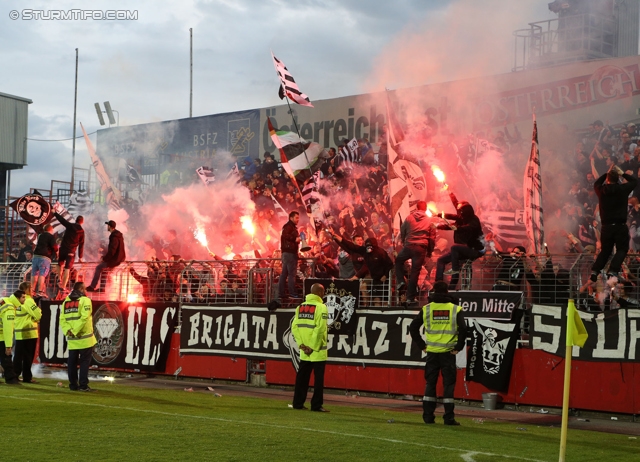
[{"x": 467, "y": 454}]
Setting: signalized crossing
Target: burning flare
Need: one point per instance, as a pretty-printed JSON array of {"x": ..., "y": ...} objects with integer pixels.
[
  {"x": 247, "y": 225},
  {"x": 438, "y": 173},
  {"x": 201, "y": 236}
]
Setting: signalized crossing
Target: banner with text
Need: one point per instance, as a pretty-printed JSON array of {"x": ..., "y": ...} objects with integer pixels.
[
  {"x": 380, "y": 337},
  {"x": 497, "y": 305},
  {"x": 613, "y": 335},
  {"x": 130, "y": 336}
]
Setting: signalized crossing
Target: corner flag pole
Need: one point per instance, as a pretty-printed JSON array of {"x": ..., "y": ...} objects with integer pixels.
[{"x": 567, "y": 382}]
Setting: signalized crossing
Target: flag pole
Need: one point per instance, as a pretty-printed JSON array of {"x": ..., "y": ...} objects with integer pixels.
[{"x": 567, "y": 382}]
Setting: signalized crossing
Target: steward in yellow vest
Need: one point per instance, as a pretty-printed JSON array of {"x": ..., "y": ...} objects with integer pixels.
[
  {"x": 309, "y": 328},
  {"x": 27, "y": 316},
  {"x": 76, "y": 322},
  {"x": 7, "y": 321},
  {"x": 445, "y": 332}
]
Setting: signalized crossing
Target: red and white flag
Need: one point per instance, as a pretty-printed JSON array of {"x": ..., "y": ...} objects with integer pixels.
[
  {"x": 533, "y": 197},
  {"x": 288, "y": 86}
]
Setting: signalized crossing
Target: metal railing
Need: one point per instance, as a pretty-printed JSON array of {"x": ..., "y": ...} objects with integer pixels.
[{"x": 549, "y": 280}]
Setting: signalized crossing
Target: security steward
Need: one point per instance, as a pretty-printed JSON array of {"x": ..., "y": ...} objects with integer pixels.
[
  {"x": 309, "y": 329},
  {"x": 27, "y": 316},
  {"x": 7, "y": 321},
  {"x": 445, "y": 331},
  {"x": 76, "y": 322}
]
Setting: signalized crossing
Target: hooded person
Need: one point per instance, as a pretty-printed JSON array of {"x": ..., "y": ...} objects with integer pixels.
[
  {"x": 377, "y": 262},
  {"x": 467, "y": 238},
  {"x": 418, "y": 234}
]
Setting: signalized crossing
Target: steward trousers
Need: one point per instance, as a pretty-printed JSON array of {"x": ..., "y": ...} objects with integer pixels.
[
  {"x": 302, "y": 384},
  {"x": 436, "y": 363},
  {"x": 23, "y": 359}
]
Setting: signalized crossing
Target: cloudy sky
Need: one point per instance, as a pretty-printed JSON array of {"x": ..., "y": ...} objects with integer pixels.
[{"x": 332, "y": 47}]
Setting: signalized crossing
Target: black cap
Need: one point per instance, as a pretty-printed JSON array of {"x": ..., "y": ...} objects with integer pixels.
[{"x": 111, "y": 223}]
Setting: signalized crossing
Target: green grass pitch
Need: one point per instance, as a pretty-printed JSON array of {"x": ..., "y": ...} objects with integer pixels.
[{"x": 44, "y": 422}]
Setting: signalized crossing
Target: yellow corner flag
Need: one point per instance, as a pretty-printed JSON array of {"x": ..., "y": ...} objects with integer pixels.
[
  {"x": 576, "y": 332},
  {"x": 576, "y": 335}
]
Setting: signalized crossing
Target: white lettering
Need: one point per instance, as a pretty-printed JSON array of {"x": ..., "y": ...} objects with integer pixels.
[
  {"x": 343, "y": 343},
  {"x": 133, "y": 324},
  {"x": 600, "y": 351},
  {"x": 382, "y": 344},
  {"x": 146, "y": 360},
  {"x": 243, "y": 331},
  {"x": 228, "y": 329},
  {"x": 272, "y": 336},
  {"x": 194, "y": 322},
  {"x": 258, "y": 322},
  {"x": 406, "y": 337},
  {"x": 361, "y": 337},
  {"x": 634, "y": 335},
  {"x": 207, "y": 325},
  {"x": 219, "y": 324},
  {"x": 538, "y": 311}
]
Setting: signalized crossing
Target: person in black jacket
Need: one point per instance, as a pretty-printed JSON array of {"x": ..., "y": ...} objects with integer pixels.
[
  {"x": 72, "y": 240},
  {"x": 377, "y": 263},
  {"x": 612, "y": 199},
  {"x": 45, "y": 251},
  {"x": 289, "y": 242},
  {"x": 467, "y": 232},
  {"x": 114, "y": 256}
]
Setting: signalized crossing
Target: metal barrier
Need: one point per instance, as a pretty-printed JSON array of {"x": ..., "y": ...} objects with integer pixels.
[{"x": 549, "y": 280}]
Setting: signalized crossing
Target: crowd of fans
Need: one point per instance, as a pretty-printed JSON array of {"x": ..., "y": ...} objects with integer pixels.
[{"x": 353, "y": 196}]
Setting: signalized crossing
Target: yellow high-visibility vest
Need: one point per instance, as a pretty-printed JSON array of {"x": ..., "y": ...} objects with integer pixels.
[{"x": 441, "y": 326}]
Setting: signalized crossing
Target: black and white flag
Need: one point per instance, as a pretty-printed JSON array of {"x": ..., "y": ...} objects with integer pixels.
[
  {"x": 349, "y": 153},
  {"x": 59, "y": 228},
  {"x": 493, "y": 345},
  {"x": 206, "y": 175},
  {"x": 79, "y": 203},
  {"x": 310, "y": 192},
  {"x": 288, "y": 86}
]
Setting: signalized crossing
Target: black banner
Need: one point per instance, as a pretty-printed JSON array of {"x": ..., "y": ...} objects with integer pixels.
[
  {"x": 380, "y": 338},
  {"x": 490, "y": 356},
  {"x": 488, "y": 305},
  {"x": 342, "y": 297},
  {"x": 613, "y": 335},
  {"x": 130, "y": 336}
]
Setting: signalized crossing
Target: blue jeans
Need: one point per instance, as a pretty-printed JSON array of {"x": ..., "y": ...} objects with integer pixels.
[
  {"x": 289, "y": 270},
  {"x": 417, "y": 254},
  {"x": 40, "y": 266},
  {"x": 457, "y": 254}
]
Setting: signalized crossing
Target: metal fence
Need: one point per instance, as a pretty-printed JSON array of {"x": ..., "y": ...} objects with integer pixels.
[{"x": 545, "y": 280}]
